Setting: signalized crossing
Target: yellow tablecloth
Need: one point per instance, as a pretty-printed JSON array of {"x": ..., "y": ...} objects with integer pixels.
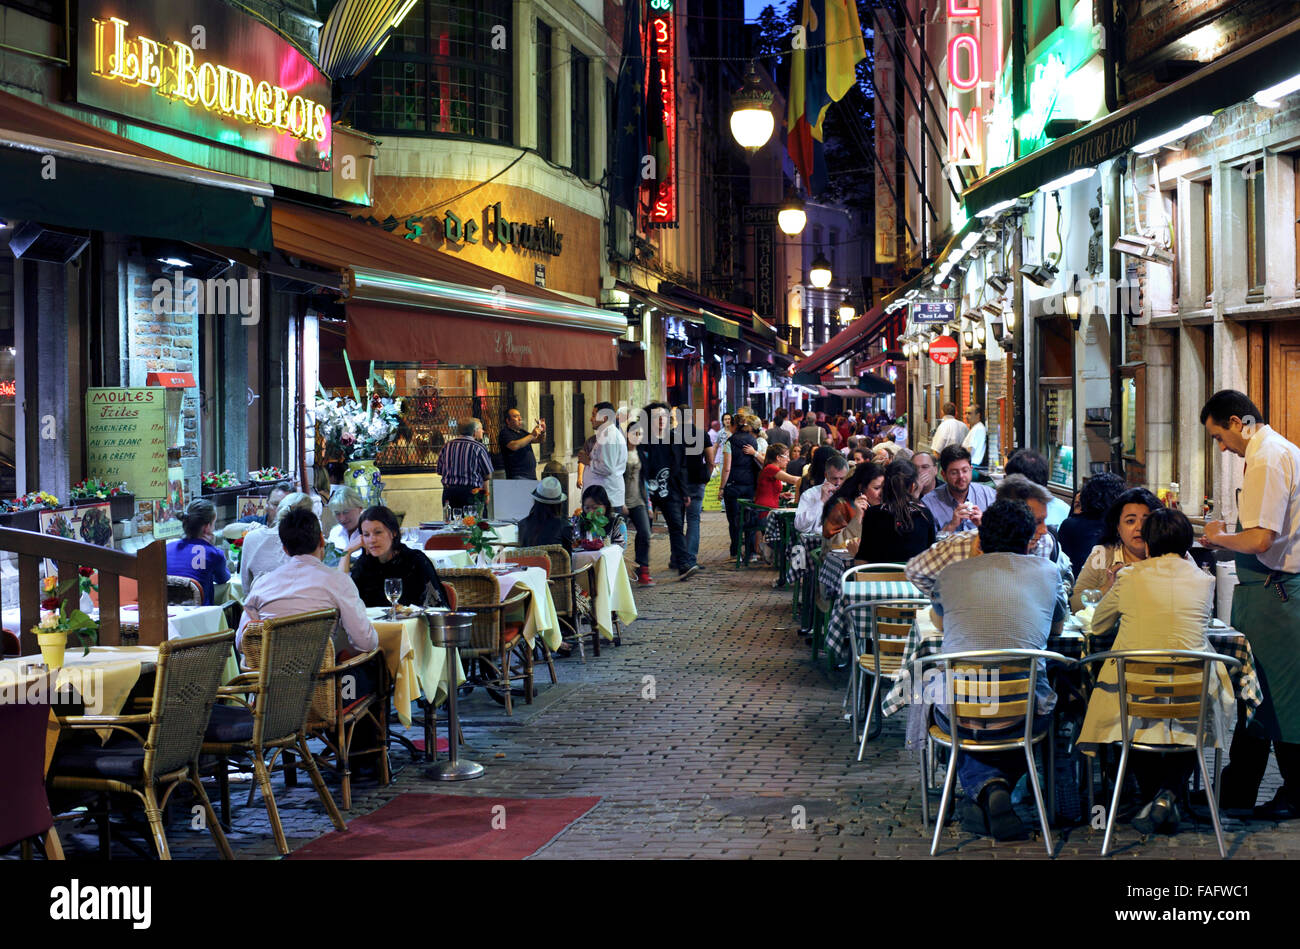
[
  {"x": 541, "y": 616},
  {"x": 612, "y": 588},
  {"x": 417, "y": 666}
]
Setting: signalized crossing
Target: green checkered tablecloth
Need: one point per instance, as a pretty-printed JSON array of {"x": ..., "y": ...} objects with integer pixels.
[{"x": 848, "y": 611}]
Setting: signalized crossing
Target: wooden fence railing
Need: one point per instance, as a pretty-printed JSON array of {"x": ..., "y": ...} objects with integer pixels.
[{"x": 147, "y": 567}]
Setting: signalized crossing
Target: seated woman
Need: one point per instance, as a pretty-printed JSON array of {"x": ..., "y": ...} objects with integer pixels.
[
  {"x": 384, "y": 557},
  {"x": 862, "y": 490},
  {"x": 1163, "y": 602},
  {"x": 900, "y": 527},
  {"x": 1120, "y": 544},
  {"x": 1081, "y": 531},
  {"x": 596, "y": 498},
  {"x": 195, "y": 555},
  {"x": 546, "y": 525}
]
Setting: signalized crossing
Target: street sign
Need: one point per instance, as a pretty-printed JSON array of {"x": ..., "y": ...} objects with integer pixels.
[
  {"x": 944, "y": 350},
  {"x": 942, "y": 312},
  {"x": 761, "y": 214}
]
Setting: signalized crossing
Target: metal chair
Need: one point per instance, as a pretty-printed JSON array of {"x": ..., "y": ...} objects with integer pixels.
[
  {"x": 889, "y": 623},
  {"x": 1171, "y": 685},
  {"x": 493, "y": 636},
  {"x": 988, "y": 688},
  {"x": 536, "y": 557},
  {"x": 291, "y": 651},
  {"x": 24, "y": 808},
  {"x": 157, "y": 749},
  {"x": 748, "y": 515},
  {"x": 862, "y": 573},
  {"x": 183, "y": 591}
]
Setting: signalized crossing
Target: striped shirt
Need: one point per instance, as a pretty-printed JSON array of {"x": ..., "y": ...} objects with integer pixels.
[{"x": 464, "y": 463}]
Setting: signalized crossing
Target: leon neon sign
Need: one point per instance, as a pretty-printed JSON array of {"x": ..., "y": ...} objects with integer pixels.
[
  {"x": 172, "y": 70},
  {"x": 965, "y": 66}
]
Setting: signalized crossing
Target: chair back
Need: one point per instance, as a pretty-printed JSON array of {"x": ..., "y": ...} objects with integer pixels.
[
  {"x": 185, "y": 687},
  {"x": 870, "y": 572},
  {"x": 446, "y": 542},
  {"x": 990, "y": 688},
  {"x": 292, "y": 650},
  {"x": 24, "y": 808},
  {"x": 183, "y": 591},
  {"x": 1172, "y": 685},
  {"x": 891, "y": 624},
  {"x": 479, "y": 592},
  {"x": 541, "y": 562},
  {"x": 559, "y": 574}
]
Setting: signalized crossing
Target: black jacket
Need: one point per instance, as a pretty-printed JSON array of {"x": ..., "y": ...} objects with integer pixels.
[{"x": 412, "y": 567}]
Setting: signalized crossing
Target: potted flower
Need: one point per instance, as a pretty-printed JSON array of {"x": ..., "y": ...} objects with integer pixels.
[
  {"x": 57, "y": 621},
  {"x": 24, "y": 512},
  {"x": 219, "y": 481},
  {"x": 479, "y": 540},
  {"x": 270, "y": 474},
  {"x": 590, "y": 527},
  {"x": 355, "y": 429},
  {"x": 92, "y": 489}
]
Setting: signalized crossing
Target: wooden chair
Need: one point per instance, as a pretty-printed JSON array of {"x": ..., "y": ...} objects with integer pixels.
[
  {"x": 563, "y": 581},
  {"x": 10, "y": 644},
  {"x": 446, "y": 542},
  {"x": 988, "y": 689},
  {"x": 271, "y": 710},
  {"x": 183, "y": 591},
  {"x": 24, "y": 808},
  {"x": 494, "y": 638},
  {"x": 1165, "y": 685},
  {"x": 151, "y": 754},
  {"x": 879, "y": 654}
]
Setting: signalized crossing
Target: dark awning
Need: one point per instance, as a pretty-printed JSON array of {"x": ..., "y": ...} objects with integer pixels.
[
  {"x": 853, "y": 337},
  {"x": 104, "y": 182},
  {"x": 1212, "y": 88},
  {"x": 849, "y": 393},
  {"x": 631, "y": 367},
  {"x": 870, "y": 382}
]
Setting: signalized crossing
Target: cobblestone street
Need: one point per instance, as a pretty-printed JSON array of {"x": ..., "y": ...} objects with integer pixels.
[{"x": 742, "y": 732}]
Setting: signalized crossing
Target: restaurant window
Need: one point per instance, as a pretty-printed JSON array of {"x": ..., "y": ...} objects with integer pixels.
[
  {"x": 1255, "y": 231},
  {"x": 1207, "y": 238},
  {"x": 1171, "y": 219},
  {"x": 1056, "y": 398},
  {"x": 580, "y": 73},
  {"x": 544, "y": 90},
  {"x": 439, "y": 75}
]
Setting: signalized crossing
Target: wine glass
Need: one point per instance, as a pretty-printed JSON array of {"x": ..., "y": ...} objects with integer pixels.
[
  {"x": 393, "y": 590},
  {"x": 1090, "y": 598}
]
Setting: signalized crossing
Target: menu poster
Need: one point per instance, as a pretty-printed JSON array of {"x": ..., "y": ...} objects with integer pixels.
[
  {"x": 126, "y": 438},
  {"x": 144, "y": 517},
  {"x": 251, "y": 506},
  {"x": 167, "y": 512},
  {"x": 91, "y": 523}
]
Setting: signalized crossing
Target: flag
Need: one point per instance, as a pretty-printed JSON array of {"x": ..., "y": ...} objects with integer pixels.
[
  {"x": 630, "y": 130},
  {"x": 823, "y": 67}
]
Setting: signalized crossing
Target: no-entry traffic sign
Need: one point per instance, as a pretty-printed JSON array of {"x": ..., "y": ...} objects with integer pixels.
[{"x": 944, "y": 350}]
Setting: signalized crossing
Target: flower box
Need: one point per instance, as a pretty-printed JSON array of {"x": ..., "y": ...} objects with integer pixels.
[{"x": 22, "y": 520}]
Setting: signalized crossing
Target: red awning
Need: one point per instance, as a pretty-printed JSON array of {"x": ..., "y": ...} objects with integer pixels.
[
  {"x": 855, "y": 335},
  {"x": 631, "y": 366}
]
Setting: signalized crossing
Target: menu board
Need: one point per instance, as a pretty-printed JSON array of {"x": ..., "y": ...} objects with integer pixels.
[{"x": 126, "y": 439}]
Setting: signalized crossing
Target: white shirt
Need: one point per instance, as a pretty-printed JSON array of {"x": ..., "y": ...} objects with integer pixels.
[
  {"x": 608, "y": 462},
  {"x": 949, "y": 432},
  {"x": 808, "y": 517},
  {"x": 303, "y": 584},
  {"x": 262, "y": 552},
  {"x": 1270, "y": 496},
  {"x": 975, "y": 442},
  {"x": 793, "y": 429},
  {"x": 343, "y": 539}
]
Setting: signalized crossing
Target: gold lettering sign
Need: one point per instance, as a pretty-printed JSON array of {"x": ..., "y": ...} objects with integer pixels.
[{"x": 172, "y": 70}]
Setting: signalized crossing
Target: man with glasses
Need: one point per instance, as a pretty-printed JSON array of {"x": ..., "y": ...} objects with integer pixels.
[
  {"x": 808, "y": 517},
  {"x": 957, "y": 504},
  {"x": 1266, "y": 601}
]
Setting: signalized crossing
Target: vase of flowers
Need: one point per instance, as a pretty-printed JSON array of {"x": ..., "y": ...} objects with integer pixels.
[
  {"x": 57, "y": 621},
  {"x": 590, "y": 528},
  {"x": 479, "y": 540}
]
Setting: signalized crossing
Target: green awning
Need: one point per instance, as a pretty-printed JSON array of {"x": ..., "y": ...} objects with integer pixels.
[
  {"x": 1231, "y": 80},
  {"x": 98, "y": 189},
  {"x": 720, "y": 327}
]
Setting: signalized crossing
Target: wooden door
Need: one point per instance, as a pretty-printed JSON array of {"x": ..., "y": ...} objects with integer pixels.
[{"x": 1284, "y": 379}]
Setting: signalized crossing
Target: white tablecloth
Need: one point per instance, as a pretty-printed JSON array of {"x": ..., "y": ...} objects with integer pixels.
[
  {"x": 612, "y": 588},
  {"x": 182, "y": 621},
  {"x": 506, "y": 534},
  {"x": 541, "y": 616}
]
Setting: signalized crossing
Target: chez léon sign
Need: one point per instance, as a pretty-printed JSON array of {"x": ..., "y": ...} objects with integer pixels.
[{"x": 495, "y": 230}]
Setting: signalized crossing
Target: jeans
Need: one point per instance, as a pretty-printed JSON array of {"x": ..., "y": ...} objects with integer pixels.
[
  {"x": 694, "y": 506},
  {"x": 977, "y": 770},
  {"x": 674, "y": 513},
  {"x": 732, "y": 495},
  {"x": 640, "y": 518}
]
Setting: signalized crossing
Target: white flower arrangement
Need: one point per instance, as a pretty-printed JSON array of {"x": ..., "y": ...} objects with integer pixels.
[{"x": 353, "y": 431}]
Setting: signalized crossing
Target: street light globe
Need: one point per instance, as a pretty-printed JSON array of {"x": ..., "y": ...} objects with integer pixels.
[
  {"x": 752, "y": 121},
  {"x": 791, "y": 218},
  {"x": 820, "y": 273},
  {"x": 847, "y": 312}
]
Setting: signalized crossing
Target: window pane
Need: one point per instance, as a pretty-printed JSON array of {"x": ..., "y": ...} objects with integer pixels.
[
  {"x": 543, "y": 90},
  {"x": 1260, "y": 236},
  {"x": 397, "y": 93},
  {"x": 580, "y": 71}
]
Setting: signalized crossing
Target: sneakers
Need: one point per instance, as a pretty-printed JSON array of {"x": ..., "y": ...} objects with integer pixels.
[
  {"x": 689, "y": 572},
  {"x": 643, "y": 577}
]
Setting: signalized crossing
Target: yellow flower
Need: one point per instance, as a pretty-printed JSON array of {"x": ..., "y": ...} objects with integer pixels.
[
  {"x": 48, "y": 584},
  {"x": 49, "y": 621}
]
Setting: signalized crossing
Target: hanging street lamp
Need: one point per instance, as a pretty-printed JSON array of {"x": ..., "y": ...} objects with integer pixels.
[{"x": 752, "y": 121}]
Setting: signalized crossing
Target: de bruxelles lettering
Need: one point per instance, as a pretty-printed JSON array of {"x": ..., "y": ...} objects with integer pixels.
[
  {"x": 541, "y": 236},
  {"x": 171, "y": 70}
]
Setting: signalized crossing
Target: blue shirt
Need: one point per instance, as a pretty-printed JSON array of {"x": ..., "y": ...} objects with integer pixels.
[
  {"x": 942, "y": 507},
  {"x": 198, "y": 560}
]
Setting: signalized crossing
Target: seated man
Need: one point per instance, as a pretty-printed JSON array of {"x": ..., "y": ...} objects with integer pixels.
[
  {"x": 1033, "y": 466},
  {"x": 923, "y": 569},
  {"x": 808, "y": 517},
  {"x": 1003, "y": 599},
  {"x": 305, "y": 584},
  {"x": 956, "y": 503}
]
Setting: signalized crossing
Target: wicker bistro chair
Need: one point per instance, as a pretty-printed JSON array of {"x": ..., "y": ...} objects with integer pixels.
[
  {"x": 526, "y": 558},
  {"x": 494, "y": 637},
  {"x": 446, "y": 542},
  {"x": 337, "y": 708},
  {"x": 183, "y": 591},
  {"x": 272, "y": 709},
  {"x": 1170, "y": 685},
  {"x": 564, "y": 583},
  {"x": 157, "y": 749},
  {"x": 879, "y": 654},
  {"x": 988, "y": 689}
]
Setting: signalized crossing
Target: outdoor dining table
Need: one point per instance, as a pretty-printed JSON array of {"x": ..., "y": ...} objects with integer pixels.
[
  {"x": 540, "y": 615},
  {"x": 849, "y": 610},
  {"x": 613, "y": 591},
  {"x": 780, "y": 534},
  {"x": 415, "y": 665}
]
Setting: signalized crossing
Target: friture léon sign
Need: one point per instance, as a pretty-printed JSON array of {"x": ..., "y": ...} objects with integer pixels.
[{"x": 204, "y": 68}]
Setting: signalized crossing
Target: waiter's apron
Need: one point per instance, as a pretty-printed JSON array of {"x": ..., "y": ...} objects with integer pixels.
[{"x": 1272, "y": 627}]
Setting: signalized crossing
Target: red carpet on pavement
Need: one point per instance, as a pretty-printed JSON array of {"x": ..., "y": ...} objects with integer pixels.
[
  {"x": 450, "y": 827},
  {"x": 419, "y": 744}
]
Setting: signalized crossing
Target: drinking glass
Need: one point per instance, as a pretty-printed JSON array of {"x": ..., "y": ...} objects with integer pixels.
[
  {"x": 393, "y": 590},
  {"x": 1090, "y": 598}
]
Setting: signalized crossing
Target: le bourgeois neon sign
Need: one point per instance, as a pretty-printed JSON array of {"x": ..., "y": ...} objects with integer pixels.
[{"x": 172, "y": 70}]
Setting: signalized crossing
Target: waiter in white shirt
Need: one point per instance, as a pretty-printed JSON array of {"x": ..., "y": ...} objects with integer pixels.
[
  {"x": 1266, "y": 602},
  {"x": 976, "y": 440},
  {"x": 949, "y": 432}
]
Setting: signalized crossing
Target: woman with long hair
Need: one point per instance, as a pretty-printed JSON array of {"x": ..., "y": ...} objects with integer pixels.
[
  {"x": 546, "y": 524},
  {"x": 596, "y": 498},
  {"x": 900, "y": 527},
  {"x": 860, "y": 492},
  {"x": 1120, "y": 544},
  {"x": 385, "y": 557},
  {"x": 815, "y": 471}
]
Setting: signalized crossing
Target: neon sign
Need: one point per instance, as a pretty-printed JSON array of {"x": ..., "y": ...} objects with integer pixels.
[
  {"x": 663, "y": 39},
  {"x": 7, "y": 389},
  {"x": 965, "y": 73}
]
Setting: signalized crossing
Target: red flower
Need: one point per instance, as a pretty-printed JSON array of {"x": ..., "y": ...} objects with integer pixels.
[
  {"x": 237, "y": 542},
  {"x": 85, "y": 571},
  {"x": 50, "y": 603}
]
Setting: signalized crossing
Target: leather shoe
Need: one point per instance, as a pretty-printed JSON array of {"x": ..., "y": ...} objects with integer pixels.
[
  {"x": 1228, "y": 808},
  {"x": 1279, "y": 809},
  {"x": 1004, "y": 822}
]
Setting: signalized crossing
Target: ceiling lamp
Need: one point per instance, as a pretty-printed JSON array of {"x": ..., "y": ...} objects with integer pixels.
[
  {"x": 1272, "y": 96},
  {"x": 791, "y": 217},
  {"x": 752, "y": 122},
  {"x": 820, "y": 273},
  {"x": 1079, "y": 174},
  {"x": 1143, "y": 248},
  {"x": 1184, "y": 130}
]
